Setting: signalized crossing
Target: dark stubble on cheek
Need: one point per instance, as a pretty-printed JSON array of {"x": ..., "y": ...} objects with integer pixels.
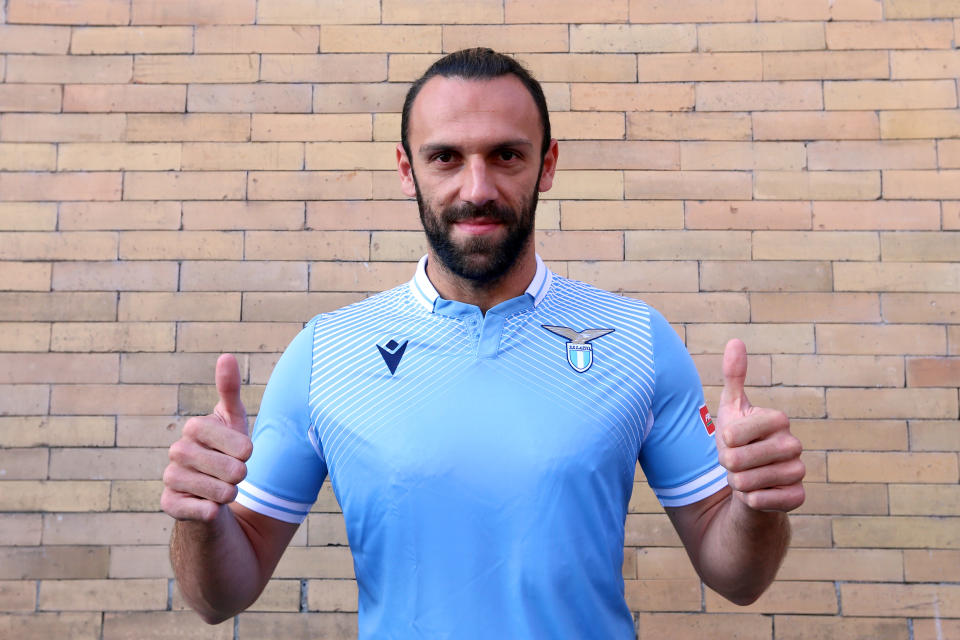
[{"x": 481, "y": 260}]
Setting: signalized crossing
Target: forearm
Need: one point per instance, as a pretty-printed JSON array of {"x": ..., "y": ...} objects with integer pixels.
[
  {"x": 742, "y": 550},
  {"x": 216, "y": 566}
]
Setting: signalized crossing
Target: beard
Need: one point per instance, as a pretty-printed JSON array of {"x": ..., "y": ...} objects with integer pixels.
[{"x": 481, "y": 260}]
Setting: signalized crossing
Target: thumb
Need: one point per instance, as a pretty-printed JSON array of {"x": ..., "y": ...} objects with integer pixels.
[
  {"x": 230, "y": 408},
  {"x": 733, "y": 399}
]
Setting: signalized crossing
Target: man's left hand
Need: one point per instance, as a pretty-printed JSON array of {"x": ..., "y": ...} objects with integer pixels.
[{"x": 755, "y": 445}]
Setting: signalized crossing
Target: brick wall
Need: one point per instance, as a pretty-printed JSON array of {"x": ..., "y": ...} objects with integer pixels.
[{"x": 182, "y": 178}]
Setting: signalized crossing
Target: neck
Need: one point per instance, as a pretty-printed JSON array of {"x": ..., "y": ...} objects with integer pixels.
[{"x": 510, "y": 285}]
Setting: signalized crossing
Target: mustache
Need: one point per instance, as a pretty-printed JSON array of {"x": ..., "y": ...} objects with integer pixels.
[{"x": 468, "y": 210}]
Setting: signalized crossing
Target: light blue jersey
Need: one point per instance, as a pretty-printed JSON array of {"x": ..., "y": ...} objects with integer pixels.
[{"x": 484, "y": 462}]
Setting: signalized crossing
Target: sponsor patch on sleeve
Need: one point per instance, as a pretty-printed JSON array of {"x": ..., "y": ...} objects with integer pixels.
[{"x": 707, "y": 420}]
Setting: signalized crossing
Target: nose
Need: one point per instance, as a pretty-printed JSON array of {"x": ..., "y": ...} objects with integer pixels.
[{"x": 478, "y": 187}]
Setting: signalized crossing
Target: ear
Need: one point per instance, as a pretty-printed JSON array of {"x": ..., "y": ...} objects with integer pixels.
[
  {"x": 549, "y": 166},
  {"x": 405, "y": 169}
]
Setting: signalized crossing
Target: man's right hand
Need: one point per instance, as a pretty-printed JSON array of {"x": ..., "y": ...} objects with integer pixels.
[{"x": 207, "y": 462}]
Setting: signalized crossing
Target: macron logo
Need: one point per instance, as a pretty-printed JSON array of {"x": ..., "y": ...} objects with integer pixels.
[{"x": 391, "y": 353}]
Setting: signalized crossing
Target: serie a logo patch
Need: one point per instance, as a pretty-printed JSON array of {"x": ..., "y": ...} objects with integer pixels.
[{"x": 707, "y": 420}]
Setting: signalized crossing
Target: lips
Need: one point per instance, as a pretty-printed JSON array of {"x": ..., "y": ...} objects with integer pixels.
[{"x": 476, "y": 226}]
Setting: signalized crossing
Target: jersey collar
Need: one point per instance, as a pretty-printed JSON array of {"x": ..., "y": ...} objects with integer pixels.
[{"x": 425, "y": 293}]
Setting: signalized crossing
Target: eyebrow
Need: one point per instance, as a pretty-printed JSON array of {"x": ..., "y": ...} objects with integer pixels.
[{"x": 442, "y": 146}]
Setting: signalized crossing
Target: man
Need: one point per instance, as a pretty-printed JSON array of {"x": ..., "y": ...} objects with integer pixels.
[{"x": 481, "y": 424}]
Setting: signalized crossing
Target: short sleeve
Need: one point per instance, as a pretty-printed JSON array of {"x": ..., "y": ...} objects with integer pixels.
[
  {"x": 679, "y": 453},
  {"x": 286, "y": 470}
]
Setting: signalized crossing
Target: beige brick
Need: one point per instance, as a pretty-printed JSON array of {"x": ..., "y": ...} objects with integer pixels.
[
  {"x": 688, "y": 126},
  {"x": 358, "y": 276},
  {"x": 38, "y": 563},
  {"x": 933, "y": 372},
  {"x": 580, "y": 125},
  {"x": 627, "y": 97},
  {"x": 55, "y": 496},
  {"x": 936, "y": 628},
  {"x": 55, "y": 367},
  {"x": 839, "y": 65},
  {"x": 905, "y": 532},
  {"x": 890, "y": 94},
  {"x": 842, "y": 564},
  {"x": 436, "y": 11},
  {"x": 785, "y": 36},
  {"x": 700, "y": 307},
  {"x": 745, "y": 214},
  {"x": 298, "y": 625},
  {"x": 900, "y": 9},
  {"x": 25, "y": 276},
  {"x": 380, "y": 39},
  {"x": 69, "y": 11},
  {"x": 307, "y": 245},
  {"x": 819, "y": 10},
  {"x": 905, "y": 276},
  {"x": 880, "y": 339},
  {"x": 650, "y": 530},
  {"x": 582, "y": 245},
  {"x": 29, "y": 97},
  {"x": 117, "y": 156},
  {"x": 97, "y": 216},
  {"x": 63, "y": 69},
  {"x": 121, "y": 98},
  {"x": 680, "y": 185},
  {"x": 934, "y": 435},
  {"x": 703, "y": 626},
  {"x": 533, "y": 11},
  {"x": 741, "y": 155},
  {"x": 292, "y": 307},
  {"x": 332, "y": 67},
  {"x": 814, "y": 307},
  {"x": 816, "y": 125},
  {"x": 901, "y": 600},
  {"x": 920, "y": 246},
  {"x": 953, "y": 340},
  {"x": 637, "y": 276},
  {"x": 28, "y": 216},
  {"x": 895, "y": 403},
  {"x": 127, "y": 399},
  {"x": 68, "y": 127},
  {"x": 921, "y": 307},
  {"x": 20, "y": 529},
  {"x": 242, "y": 215},
  {"x": 257, "y": 39},
  {"x": 783, "y": 597},
  {"x": 57, "y": 306},
  {"x": 33, "y": 39},
  {"x": 651, "y": 595},
  {"x": 949, "y": 157},
  {"x": 248, "y": 275},
  {"x": 195, "y": 127},
  {"x": 919, "y": 34},
  {"x": 879, "y": 215},
  {"x": 170, "y": 368},
  {"x": 156, "y": 625},
  {"x": 252, "y": 337},
  {"x": 24, "y": 336},
  {"x": 187, "y": 12},
  {"x": 353, "y": 155},
  {"x": 759, "y": 338},
  {"x": 117, "y": 40},
  {"x": 181, "y": 245},
  {"x": 710, "y": 368},
  {"x": 31, "y": 245},
  {"x": 241, "y": 156},
  {"x": 309, "y": 185},
  {"x": 155, "y": 431},
  {"x": 141, "y": 561},
  {"x": 580, "y": 67},
  {"x": 687, "y": 245},
  {"x": 632, "y": 38},
  {"x": 107, "y": 529},
  {"x": 391, "y": 246},
  {"x": 931, "y": 565},
  {"x": 200, "y": 399},
  {"x": 311, "y": 127},
  {"x": 185, "y": 185},
  {"x": 621, "y": 215},
  {"x": 362, "y": 215},
  {"x": 104, "y": 336},
  {"x": 128, "y": 463},
  {"x": 766, "y": 276},
  {"x": 891, "y": 467},
  {"x": 844, "y": 499},
  {"x": 924, "y": 499},
  {"x": 101, "y": 595},
  {"x": 538, "y": 38},
  {"x": 56, "y": 431},
  {"x": 18, "y": 596},
  {"x": 817, "y": 185},
  {"x": 840, "y": 371},
  {"x": 259, "y": 98},
  {"x": 933, "y": 124},
  {"x": 759, "y": 96},
  {"x": 921, "y": 184},
  {"x": 326, "y": 529},
  {"x": 178, "y": 306},
  {"x": 839, "y": 628},
  {"x": 316, "y": 562},
  {"x": 815, "y": 245},
  {"x": 872, "y": 155},
  {"x": 659, "y": 11},
  {"x": 77, "y": 626},
  {"x": 814, "y": 461},
  {"x": 27, "y": 157},
  {"x": 332, "y": 595},
  {"x": 196, "y": 68},
  {"x": 318, "y": 12},
  {"x": 60, "y": 186},
  {"x": 22, "y": 464},
  {"x": 668, "y": 67}
]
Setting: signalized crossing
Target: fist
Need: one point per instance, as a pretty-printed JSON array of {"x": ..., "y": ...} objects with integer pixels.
[
  {"x": 755, "y": 445},
  {"x": 207, "y": 462}
]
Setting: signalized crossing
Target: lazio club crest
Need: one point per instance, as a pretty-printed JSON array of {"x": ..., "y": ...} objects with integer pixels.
[{"x": 579, "y": 349}]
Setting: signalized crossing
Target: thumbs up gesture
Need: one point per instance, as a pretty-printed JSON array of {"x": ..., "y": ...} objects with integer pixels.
[
  {"x": 207, "y": 462},
  {"x": 755, "y": 445}
]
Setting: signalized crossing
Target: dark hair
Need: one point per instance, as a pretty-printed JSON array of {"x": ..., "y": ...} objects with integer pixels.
[{"x": 479, "y": 63}]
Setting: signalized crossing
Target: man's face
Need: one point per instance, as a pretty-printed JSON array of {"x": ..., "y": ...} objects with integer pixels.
[{"x": 476, "y": 170}]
